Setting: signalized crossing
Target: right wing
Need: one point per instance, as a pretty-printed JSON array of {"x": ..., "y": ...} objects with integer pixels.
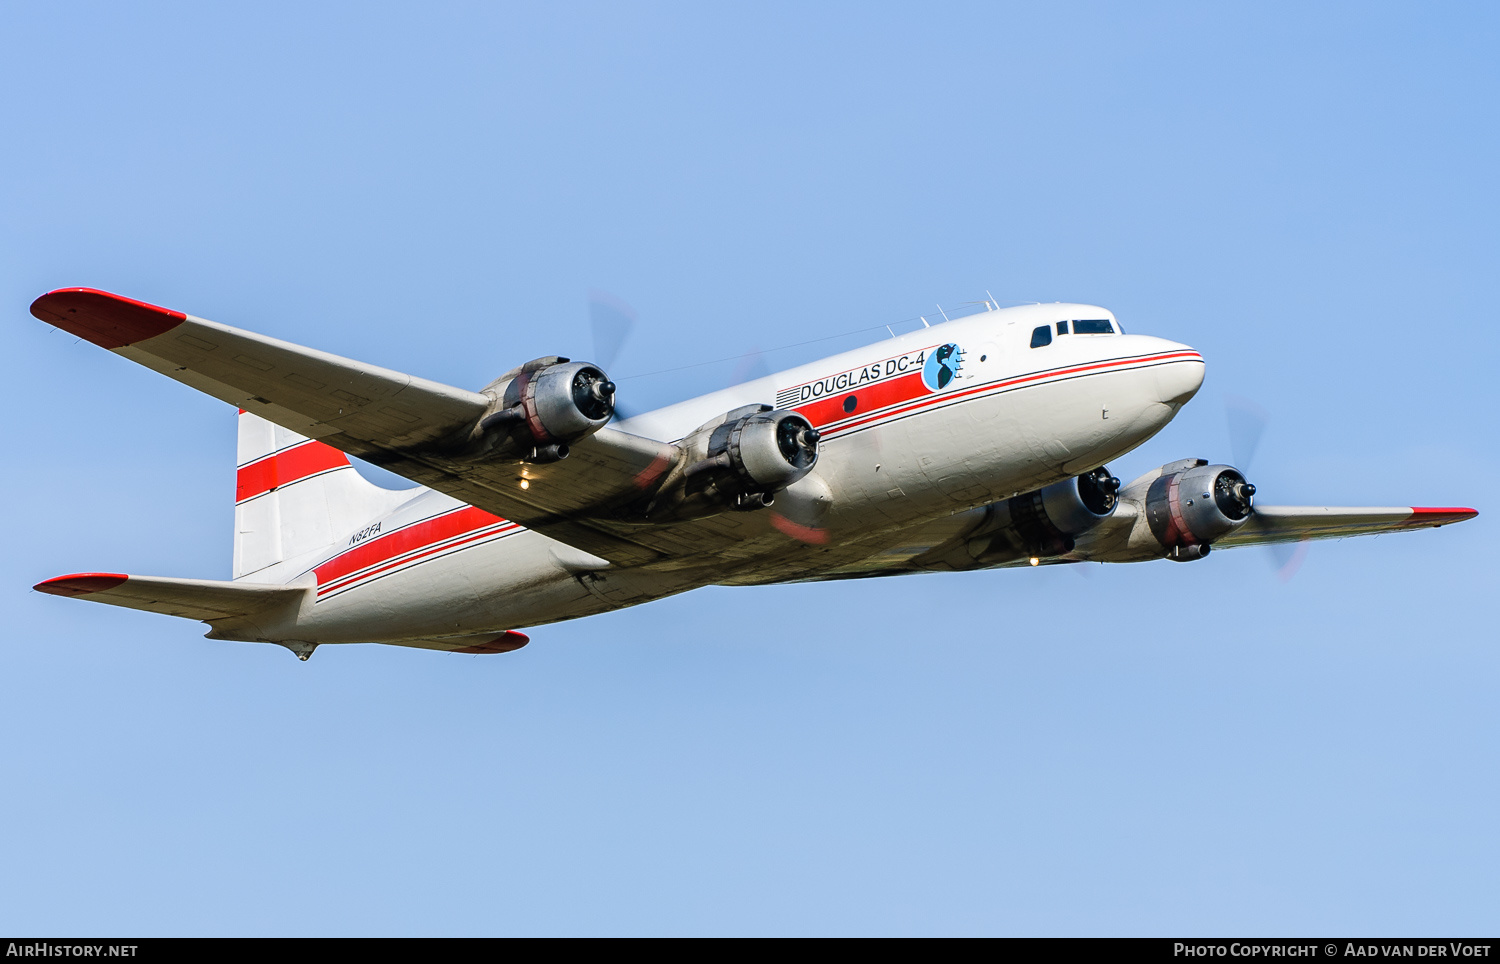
[
  {"x": 1293, "y": 523},
  {"x": 395, "y": 420},
  {"x": 1127, "y": 537}
]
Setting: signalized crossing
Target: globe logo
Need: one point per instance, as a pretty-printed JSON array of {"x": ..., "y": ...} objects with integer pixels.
[{"x": 941, "y": 367}]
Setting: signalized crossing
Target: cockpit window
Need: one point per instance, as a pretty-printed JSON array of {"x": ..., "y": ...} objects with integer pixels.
[
  {"x": 1062, "y": 327},
  {"x": 1041, "y": 336},
  {"x": 1100, "y": 326}
]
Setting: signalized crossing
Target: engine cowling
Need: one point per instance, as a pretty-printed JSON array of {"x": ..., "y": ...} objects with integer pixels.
[
  {"x": 754, "y": 456},
  {"x": 1044, "y": 522},
  {"x": 545, "y": 405},
  {"x": 738, "y": 460},
  {"x": 1035, "y": 525},
  {"x": 1188, "y": 509}
]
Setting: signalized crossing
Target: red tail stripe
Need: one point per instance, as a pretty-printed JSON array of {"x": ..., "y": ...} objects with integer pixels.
[
  {"x": 409, "y": 539},
  {"x": 286, "y": 467}
]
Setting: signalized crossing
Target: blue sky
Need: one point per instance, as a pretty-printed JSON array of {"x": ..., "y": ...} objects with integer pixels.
[{"x": 1305, "y": 193}]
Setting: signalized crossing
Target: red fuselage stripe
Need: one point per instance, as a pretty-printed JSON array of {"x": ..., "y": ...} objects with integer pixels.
[
  {"x": 866, "y": 399},
  {"x": 997, "y": 386},
  {"x": 362, "y": 578},
  {"x": 409, "y": 539},
  {"x": 285, "y": 467}
]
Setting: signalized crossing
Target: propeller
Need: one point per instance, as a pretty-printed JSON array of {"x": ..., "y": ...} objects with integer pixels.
[
  {"x": 1247, "y": 423},
  {"x": 1289, "y": 557},
  {"x": 799, "y": 511},
  {"x": 752, "y": 365},
  {"x": 612, "y": 321}
]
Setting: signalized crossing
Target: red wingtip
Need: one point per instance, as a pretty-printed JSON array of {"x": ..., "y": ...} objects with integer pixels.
[
  {"x": 507, "y": 642},
  {"x": 81, "y": 583},
  {"x": 1439, "y": 515},
  {"x": 107, "y": 320}
]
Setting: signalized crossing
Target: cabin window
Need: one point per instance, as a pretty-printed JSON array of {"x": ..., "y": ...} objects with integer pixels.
[
  {"x": 850, "y": 403},
  {"x": 1041, "y": 336},
  {"x": 1062, "y": 327},
  {"x": 1099, "y": 326}
]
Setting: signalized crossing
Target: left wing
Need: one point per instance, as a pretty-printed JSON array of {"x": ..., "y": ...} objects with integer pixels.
[
  {"x": 407, "y": 424},
  {"x": 1294, "y": 523},
  {"x": 313, "y": 393}
]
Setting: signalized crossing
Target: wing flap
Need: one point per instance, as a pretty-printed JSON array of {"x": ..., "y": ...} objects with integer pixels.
[
  {"x": 1293, "y": 523},
  {"x": 205, "y": 599}
]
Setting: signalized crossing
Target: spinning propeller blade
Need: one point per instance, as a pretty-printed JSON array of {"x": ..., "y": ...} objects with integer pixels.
[
  {"x": 1289, "y": 557},
  {"x": 752, "y": 365},
  {"x": 612, "y": 321},
  {"x": 1247, "y": 423}
]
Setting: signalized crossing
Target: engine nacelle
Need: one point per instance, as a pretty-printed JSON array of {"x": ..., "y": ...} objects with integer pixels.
[
  {"x": 1192, "y": 504},
  {"x": 1035, "y": 525},
  {"x": 751, "y": 457},
  {"x": 545, "y": 405},
  {"x": 1044, "y": 522}
]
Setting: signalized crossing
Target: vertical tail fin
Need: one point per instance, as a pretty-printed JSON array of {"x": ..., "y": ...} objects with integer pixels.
[{"x": 295, "y": 496}]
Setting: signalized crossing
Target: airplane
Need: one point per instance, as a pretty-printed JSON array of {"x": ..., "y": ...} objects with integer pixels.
[{"x": 981, "y": 442}]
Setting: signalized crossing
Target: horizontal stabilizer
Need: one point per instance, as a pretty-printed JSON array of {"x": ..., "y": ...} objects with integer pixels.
[
  {"x": 1293, "y": 523},
  {"x": 205, "y": 599}
]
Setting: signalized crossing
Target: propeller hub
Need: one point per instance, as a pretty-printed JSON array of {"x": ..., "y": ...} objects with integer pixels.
[{"x": 1233, "y": 494}]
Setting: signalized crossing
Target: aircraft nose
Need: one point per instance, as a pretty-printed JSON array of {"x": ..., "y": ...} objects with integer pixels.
[{"x": 1179, "y": 379}]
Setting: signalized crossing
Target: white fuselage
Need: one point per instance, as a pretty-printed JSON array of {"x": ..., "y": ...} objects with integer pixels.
[{"x": 899, "y": 451}]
